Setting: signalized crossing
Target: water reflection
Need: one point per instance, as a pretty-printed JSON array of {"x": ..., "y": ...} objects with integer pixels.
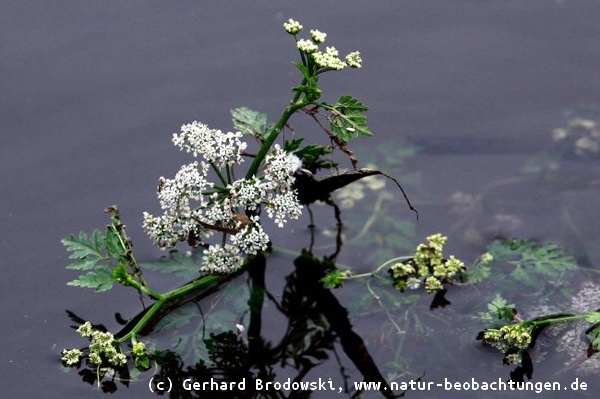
[
  {"x": 277, "y": 323},
  {"x": 318, "y": 332}
]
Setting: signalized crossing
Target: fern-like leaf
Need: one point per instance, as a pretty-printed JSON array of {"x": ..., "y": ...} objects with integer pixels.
[
  {"x": 87, "y": 250},
  {"x": 532, "y": 260},
  {"x": 100, "y": 279},
  {"x": 249, "y": 121}
]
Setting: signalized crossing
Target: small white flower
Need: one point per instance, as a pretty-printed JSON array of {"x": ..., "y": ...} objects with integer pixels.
[
  {"x": 353, "y": 60},
  {"x": 71, "y": 357},
  {"x": 221, "y": 259},
  {"x": 329, "y": 59},
  {"x": 86, "y": 329},
  {"x": 118, "y": 359},
  {"x": 247, "y": 193},
  {"x": 292, "y": 27},
  {"x": 283, "y": 205},
  {"x": 318, "y": 36},
  {"x": 214, "y": 145},
  {"x": 307, "y": 46},
  {"x": 280, "y": 169},
  {"x": 251, "y": 239}
]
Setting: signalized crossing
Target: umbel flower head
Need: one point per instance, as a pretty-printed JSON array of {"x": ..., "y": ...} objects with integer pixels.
[
  {"x": 103, "y": 349},
  {"x": 428, "y": 267},
  {"x": 511, "y": 340},
  {"x": 326, "y": 60},
  {"x": 195, "y": 208}
]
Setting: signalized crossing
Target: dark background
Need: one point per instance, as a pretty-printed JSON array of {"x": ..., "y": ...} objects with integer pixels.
[{"x": 93, "y": 90}]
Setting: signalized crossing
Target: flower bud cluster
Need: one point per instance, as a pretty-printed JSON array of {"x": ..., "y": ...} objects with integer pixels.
[
  {"x": 103, "y": 348},
  {"x": 511, "y": 340},
  {"x": 328, "y": 59},
  {"x": 428, "y": 267},
  {"x": 195, "y": 208}
]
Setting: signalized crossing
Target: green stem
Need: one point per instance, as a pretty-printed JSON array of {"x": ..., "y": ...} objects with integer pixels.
[
  {"x": 219, "y": 174},
  {"x": 146, "y": 290},
  {"x": 557, "y": 320},
  {"x": 272, "y": 135},
  {"x": 374, "y": 272},
  {"x": 163, "y": 299}
]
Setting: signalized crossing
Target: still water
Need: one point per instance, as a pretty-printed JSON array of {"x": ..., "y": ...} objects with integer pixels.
[{"x": 92, "y": 92}]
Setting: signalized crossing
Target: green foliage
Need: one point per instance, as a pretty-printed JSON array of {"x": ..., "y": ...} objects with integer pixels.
[
  {"x": 309, "y": 86},
  {"x": 336, "y": 278},
  {"x": 499, "y": 312},
  {"x": 92, "y": 254},
  {"x": 348, "y": 120},
  {"x": 594, "y": 335},
  {"x": 100, "y": 279},
  {"x": 175, "y": 263},
  {"x": 533, "y": 262},
  {"x": 106, "y": 258},
  {"x": 249, "y": 121},
  {"x": 310, "y": 155},
  {"x": 594, "y": 331},
  {"x": 593, "y": 317},
  {"x": 87, "y": 251}
]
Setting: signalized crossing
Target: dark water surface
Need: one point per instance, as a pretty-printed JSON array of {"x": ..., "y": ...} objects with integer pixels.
[{"x": 92, "y": 92}]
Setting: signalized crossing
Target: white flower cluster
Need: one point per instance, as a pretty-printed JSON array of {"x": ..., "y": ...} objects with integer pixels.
[
  {"x": 214, "y": 145},
  {"x": 102, "y": 346},
  {"x": 195, "y": 208},
  {"x": 292, "y": 27},
  {"x": 329, "y": 59}
]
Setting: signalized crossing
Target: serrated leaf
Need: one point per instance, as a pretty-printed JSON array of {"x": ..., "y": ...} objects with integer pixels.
[
  {"x": 249, "y": 121},
  {"x": 533, "y": 260},
  {"x": 81, "y": 246},
  {"x": 113, "y": 242},
  {"x": 593, "y": 317},
  {"x": 478, "y": 273},
  {"x": 311, "y": 155},
  {"x": 348, "y": 120},
  {"x": 100, "y": 280},
  {"x": 86, "y": 263},
  {"x": 176, "y": 264}
]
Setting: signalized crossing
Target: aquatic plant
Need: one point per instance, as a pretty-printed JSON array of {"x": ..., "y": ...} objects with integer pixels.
[{"x": 208, "y": 205}]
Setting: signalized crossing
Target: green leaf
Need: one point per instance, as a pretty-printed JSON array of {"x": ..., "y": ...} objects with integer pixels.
[
  {"x": 113, "y": 242},
  {"x": 101, "y": 279},
  {"x": 82, "y": 246},
  {"x": 176, "y": 264},
  {"x": 249, "y": 121},
  {"x": 142, "y": 363},
  {"x": 533, "y": 262},
  {"x": 478, "y": 273},
  {"x": 595, "y": 337},
  {"x": 304, "y": 70},
  {"x": 335, "y": 278},
  {"x": 311, "y": 155},
  {"x": 312, "y": 92},
  {"x": 348, "y": 120},
  {"x": 86, "y": 263},
  {"x": 593, "y": 317}
]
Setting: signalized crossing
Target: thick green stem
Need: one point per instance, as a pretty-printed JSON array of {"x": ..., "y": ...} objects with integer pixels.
[
  {"x": 557, "y": 320},
  {"x": 272, "y": 135},
  {"x": 146, "y": 290},
  {"x": 163, "y": 299}
]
